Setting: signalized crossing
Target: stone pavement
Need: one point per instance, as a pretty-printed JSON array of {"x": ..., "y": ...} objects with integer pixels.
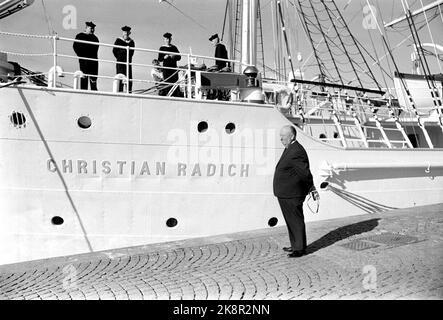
[{"x": 390, "y": 255}]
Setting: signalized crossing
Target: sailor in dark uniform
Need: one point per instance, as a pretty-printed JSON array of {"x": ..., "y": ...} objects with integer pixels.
[
  {"x": 121, "y": 55},
  {"x": 220, "y": 52},
  {"x": 169, "y": 60},
  {"x": 87, "y": 50}
]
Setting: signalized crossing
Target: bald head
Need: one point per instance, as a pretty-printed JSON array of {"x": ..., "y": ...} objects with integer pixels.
[{"x": 287, "y": 135}]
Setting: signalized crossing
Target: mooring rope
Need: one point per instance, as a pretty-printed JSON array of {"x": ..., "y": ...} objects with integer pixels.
[{"x": 359, "y": 201}]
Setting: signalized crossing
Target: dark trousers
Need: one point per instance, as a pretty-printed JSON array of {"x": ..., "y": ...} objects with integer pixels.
[
  {"x": 292, "y": 210},
  {"x": 88, "y": 67}
]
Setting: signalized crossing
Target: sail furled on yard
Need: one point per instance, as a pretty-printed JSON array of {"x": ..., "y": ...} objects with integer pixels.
[{"x": 339, "y": 56}]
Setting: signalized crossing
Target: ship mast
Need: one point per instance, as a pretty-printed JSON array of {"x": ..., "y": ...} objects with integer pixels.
[{"x": 249, "y": 33}]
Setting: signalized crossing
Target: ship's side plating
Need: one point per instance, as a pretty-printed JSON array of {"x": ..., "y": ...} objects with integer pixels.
[{"x": 82, "y": 171}]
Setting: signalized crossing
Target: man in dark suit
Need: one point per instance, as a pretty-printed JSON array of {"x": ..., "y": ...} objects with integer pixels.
[{"x": 292, "y": 182}]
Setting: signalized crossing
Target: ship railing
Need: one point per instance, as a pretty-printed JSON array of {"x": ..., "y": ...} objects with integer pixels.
[
  {"x": 354, "y": 120},
  {"x": 362, "y": 107},
  {"x": 342, "y": 99},
  {"x": 58, "y": 68},
  {"x": 349, "y": 135},
  {"x": 184, "y": 81}
]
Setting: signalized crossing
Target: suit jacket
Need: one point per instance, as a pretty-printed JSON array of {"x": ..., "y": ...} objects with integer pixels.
[{"x": 292, "y": 177}]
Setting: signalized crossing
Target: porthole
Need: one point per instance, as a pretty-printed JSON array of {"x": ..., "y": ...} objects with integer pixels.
[
  {"x": 322, "y": 136},
  {"x": 273, "y": 222},
  {"x": 324, "y": 185},
  {"x": 57, "y": 221},
  {"x": 171, "y": 222},
  {"x": 17, "y": 119},
  {"x": 335, "y": 135},
  {"x": 202, "y": 126},
  {"x": 230, "y": 128},
  {"x": 84, "y": 122}
]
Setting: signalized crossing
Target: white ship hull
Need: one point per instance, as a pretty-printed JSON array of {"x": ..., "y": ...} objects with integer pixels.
[{"x": 143, "y": 161}]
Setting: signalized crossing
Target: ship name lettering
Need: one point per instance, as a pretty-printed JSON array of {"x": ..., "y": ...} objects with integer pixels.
[{"x": 146, "y": 168}]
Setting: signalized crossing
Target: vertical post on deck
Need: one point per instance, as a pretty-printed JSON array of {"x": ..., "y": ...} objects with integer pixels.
[
  {"x": 54, "y": 41},
  {"x": 189, "y": 86},
  {"x": 127, "y": 69}
]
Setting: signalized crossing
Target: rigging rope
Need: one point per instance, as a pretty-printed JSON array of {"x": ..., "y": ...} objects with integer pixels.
[
  {"x": 184, "y": 14},
  {"x": 308, "y": 33},
  {"x": 355, "y": 43},
  {"x": 11, "y": 83},
  {"x": 224, "y": 20},
  {"x": 432, "y": 38},
  {"x": 326, "y": 41},
  {"x": 48, "y": 20},
  {"x": 402, "y": 81},
  {"x": 376, "y": 54},
  {"x": 359, "y": 201},
  {"x": 286, "y": 39},
  {"x": 423, "y": 61},
  {"x": 342, "y": 49}
]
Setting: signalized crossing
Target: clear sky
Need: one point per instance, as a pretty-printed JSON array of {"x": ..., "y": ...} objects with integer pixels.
[{"x": 191, "y": 22}]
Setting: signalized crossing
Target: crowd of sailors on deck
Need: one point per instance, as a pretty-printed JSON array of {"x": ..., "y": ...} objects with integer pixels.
[{"x": 165, "y": 76}]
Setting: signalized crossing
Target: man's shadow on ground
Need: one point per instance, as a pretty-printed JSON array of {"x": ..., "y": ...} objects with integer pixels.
[{"x": 342, "y": 233}]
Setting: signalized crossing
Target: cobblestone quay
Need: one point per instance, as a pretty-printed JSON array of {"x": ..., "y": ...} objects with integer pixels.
[{"x": 391, "y": 255}]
